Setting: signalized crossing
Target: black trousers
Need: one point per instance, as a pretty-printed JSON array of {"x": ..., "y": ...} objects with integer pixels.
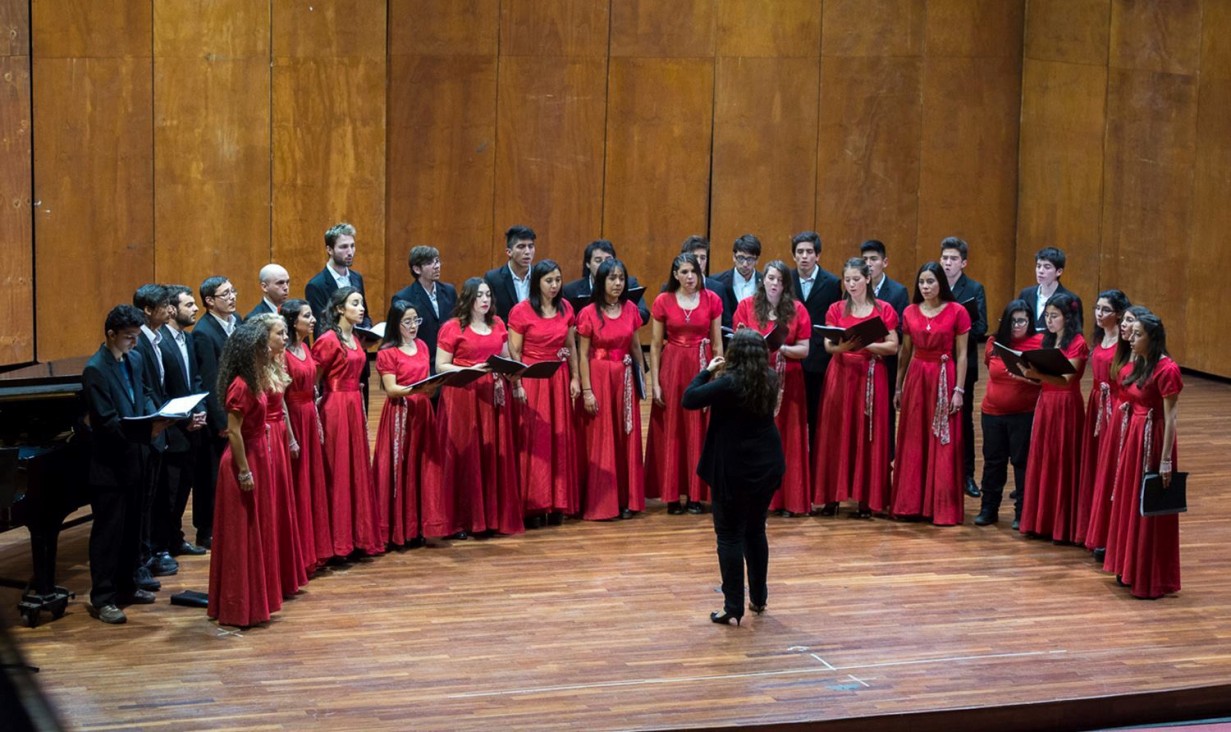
[
  {"x": 204, "y": 478},
  {"x": 171, "y": 499},
  {"x": 149, "y": 490},
  {"x": 739, "y": 522},
  {"x": 115, "y": 537},
  {"x": 968, "y": 427},
  {"x": 1006, "y": 439}
]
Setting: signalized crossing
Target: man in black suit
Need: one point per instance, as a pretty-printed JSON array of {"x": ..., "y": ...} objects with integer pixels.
[
  {"x": 1048, "y": 266},
  {"x": 113, "y": 389},
  {"x": 742, "y": 280},
  {"x": 275, "y": 284},
  {"x": 433, "y": 300},
  {"x": 208, "y": 338},
  {"x": 340, "y": 246},
  {"x": 183, "y": 378},
  {"x": 580, "y": 290},
  {"x": 510, "y": 283},
  {"x": 896, "y": 294},
  {"x": 817, "y": 290},
  {"x": 154, "y": 302},
  {"x": 953, "y": 254}
]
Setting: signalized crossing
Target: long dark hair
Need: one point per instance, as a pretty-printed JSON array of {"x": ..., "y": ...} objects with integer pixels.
[
  {"x": 1068, "y": 307},
  {"x": 1118, "y": 302},
  {"x": 290, "y": 311},
  {"x": 1004, "y": 333},
  {"x": 330, "y": 318},
  {"x": 946, "y": 294},
  {"x": 393, "y": 323},
  {"x": 1124, "y": 350},
  {"x": 861, "y": 265},
  {"x": 465, "y": 303},
  {"x": 245, "y": 355},
  {"x": 541, "y": 269},
  {"x": 598, "y": 293},
  {"x": 673, "y": 285},
  {"x": 1143, "y": 368},
  {"x": 786, "y": 304},
  {"x": 747, "y": 364}
]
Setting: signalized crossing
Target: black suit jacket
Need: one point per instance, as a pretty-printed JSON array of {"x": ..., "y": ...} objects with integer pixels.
[
  {"x": 504, "y": 292},
  {"x": 964, "y": 290},
  {"x": 117, "y": 449},
  {"x": 896, "y": 294},
  {"x": 742, "y": 451},
  {"x": 1031, "y": 296},
  {"x": 261, "y": 308},
  {"x": 825, "y": 292},
  {"x": 729, "y": 301},
  {"x": 322, "y": 286},
  {"x": 583, "y": 289},
  {"x": 208, "y": 338},
  {"x": 446, "y": 300},
  {"x": 182, "y": 380},
  {"x": 155, "y": 390}
]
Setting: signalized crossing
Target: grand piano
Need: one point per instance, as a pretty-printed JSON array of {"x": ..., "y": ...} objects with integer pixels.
[{"x": 44, "y": 455}]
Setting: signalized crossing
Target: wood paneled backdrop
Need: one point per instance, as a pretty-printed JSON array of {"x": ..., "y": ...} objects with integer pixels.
[{"x": 170, "y": 140}]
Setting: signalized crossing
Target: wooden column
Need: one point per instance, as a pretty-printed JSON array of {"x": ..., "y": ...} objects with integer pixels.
[{"x": 16, "y": 186}]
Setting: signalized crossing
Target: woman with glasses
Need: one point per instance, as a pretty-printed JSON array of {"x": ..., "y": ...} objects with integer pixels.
[
  {"x": 1008, "y": 414},
  {"x": 1049, "y": 502}
]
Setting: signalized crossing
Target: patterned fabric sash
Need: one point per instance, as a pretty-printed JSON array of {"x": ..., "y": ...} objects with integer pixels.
[
  {"x": 498, "y": 390},
  {"x": 563, "y": 354},
  {"x": 1147, "y": 448},
  {"x": 780, "y": 367},
  {"x": 940, "y": 421},
  {"x": 869, "y": 395},
  {"x": 401, "y": 414},
  {"x": 1103, "y": 408},
  {"x": 701, "y": 353},
  {"x": 628, "y": 394}
]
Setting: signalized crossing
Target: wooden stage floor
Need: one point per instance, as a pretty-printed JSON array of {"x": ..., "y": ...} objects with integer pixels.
[{"x": 604, "y": 626}]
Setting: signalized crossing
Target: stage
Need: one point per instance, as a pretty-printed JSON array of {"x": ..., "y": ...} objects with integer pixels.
[{"x": 871, "y": 625}]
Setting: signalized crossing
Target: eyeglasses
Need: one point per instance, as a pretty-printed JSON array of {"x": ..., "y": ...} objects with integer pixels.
[
  {"x": 1020, "y": 321},
  {"x": 744, "y": 259},
  {"x": 227, "y": 293},
  {"x": 412, "y": 321}
]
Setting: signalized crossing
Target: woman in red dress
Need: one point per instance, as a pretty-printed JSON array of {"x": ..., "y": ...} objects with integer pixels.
[
  {"x": 340, "y": 360},
  {"x": 771, "y": 307},
  {"x": 288, "y": 572},
  {"x": 927, "y": 478},
  {"x": 852, "y": 436},
  {"x": 1108, "y": 457},
  {"x": 543, "y": 328},
  {"x": 308, "y": 463},
  {"x": 1049, "y": 501},
  {"x": 407, "y": 456},
  {"x": 1100, "y": 407},
  {"x": 686, "y": 333},
  {"x": 476, "y": 423},
  {"x": 239, "y": 593},
  {"x": 608, "y": 351},
  {"x": 1144, "y": 551}
]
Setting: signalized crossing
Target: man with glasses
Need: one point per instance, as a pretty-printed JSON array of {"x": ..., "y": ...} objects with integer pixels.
[
  {"x": 209, "y": 336},
  {"x": 953, "y": 254},
  {"x": 742, "y": 280},
  {"x": 433, "y": 299}
]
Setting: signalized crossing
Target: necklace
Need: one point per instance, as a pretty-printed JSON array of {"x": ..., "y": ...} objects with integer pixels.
[
  {"x": 688, "y": 311},
  {"x": 613, "y": 308}
]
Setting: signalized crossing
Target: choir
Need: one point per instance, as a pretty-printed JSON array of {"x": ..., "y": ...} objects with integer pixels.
[{"x": 498, "y": 423}]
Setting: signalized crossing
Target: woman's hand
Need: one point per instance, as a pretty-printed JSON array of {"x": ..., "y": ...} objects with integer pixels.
[
  {"x": 589, "y": 402},
  {"x": 897, "y": 399},
  {"x": 246, "y": 481},
  {"x": 853, "y": 344},
  {"x": 658, "y": 395},
  {"x": 1164, "y": 472},
  {"x": 519, "y": 392},
  {"x": 574, "y": 388},
  {"x": 294, "y": 447},
  {"x": 1031, "y": 373},
  {"x": 955, "y": 401},
  {"x": 715, "y": 365}
]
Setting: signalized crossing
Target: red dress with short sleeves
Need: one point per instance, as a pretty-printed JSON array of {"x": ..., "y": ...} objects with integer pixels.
[
  {"x": 547, "y": 450},
  {"x": 677, "y": 435},
  {"x": 792, "y": 417},
  {"x": 852, "y": 435},
  {"x": 1106, "y": 460},
  {"x": 308, "y": 469},
  {"x": 352, "y": 507},
  {"x": 612, "y": 471},
  {"x": 1049, "y": 501},
  {"x": 239, "y": 593},
  {"x": 476, "y": 428},
  {"x": 928, "y": 477},
  {"x": 1097, "y": 427}
]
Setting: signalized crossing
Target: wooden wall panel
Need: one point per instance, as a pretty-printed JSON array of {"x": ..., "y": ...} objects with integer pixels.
[
  {"x": 975, "y": 28},
  {"x": 786, "y": 29},
  {"x": 1073, "y": 31},
  {"x": 443, "y": 27},
  {"x": 442, "y": 163},
  {"x": 681, "y": 29},
  {"x": 869, "y": 157},
  {"x": 873, "y": 27},
  {"x": 16, "y": 186},
  {"x": 554, "y": 28},
  {"x": 328, "y": 136},
  {"x": 93, "y": 166},
  {"x": 1153, "y": 36},
  {"x": 551, "y": 123},
  {"x": 659, "y": 128}
]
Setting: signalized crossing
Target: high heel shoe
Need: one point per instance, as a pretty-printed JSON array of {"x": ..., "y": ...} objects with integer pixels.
[
  {"x": 724, "y": 618},
  {"x": 758, "y": 609}
]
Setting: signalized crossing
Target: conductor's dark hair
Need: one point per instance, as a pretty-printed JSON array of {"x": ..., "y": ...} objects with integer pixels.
[{"x": 747, "y": 365}]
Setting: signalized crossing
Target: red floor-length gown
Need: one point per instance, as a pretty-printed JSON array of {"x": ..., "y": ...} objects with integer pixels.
[
  {"x": 1106, "y": 460},
  {"x": 352, "y": 507},
  {"x": 1095, "y": 427},
  {"x": 1049, "y": 501},
  {"x": 928, "y": 477},
  {"x": 406, "y": 458},
  {"x": 677, "y": 434},
  {"x": 475, "y": 423},
  {"x": 1144, "y": 551},
  {"x": 792, "y": 417},
  {"x": 547, "y": 455},
  {"x": 281, "y": 521},
  {"x": 308, "y": 468},
  {"x": 613, "y": 470},
  {"x": 851, "y": 454},
  {"x": 239, "y": 593}
]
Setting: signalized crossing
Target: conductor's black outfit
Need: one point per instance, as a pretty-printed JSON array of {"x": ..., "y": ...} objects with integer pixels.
[{"x": 743, "y": 462}]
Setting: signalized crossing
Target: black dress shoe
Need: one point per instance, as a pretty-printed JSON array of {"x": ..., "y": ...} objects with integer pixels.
[
  {"x": 555, "y": 518},
  {"x": 696, "y": 508},
  {"x": 109, "y": 614},
  {"x": 205, "y": 541},
  {"x": 784, "y": 513},
  {"x": 188, "y": 548},
  {"x": 724, "y": 618},
  {"x": 460, "y": 536},
  {"x": 138, "y": 597},
  {"x": 626, "y": 514},
  {"x": 986, "y": 517},
  {"x": 758, "y": 609},
  {"x": 534, "y": 522},
  {"x": 145, "y": 581},
  {"x": 972, "y": 490},
  {"x": 162, "y": 565},
  {"x": 675, "y": 509},
  {"x": 829, "y": 509},
  {"x": 1100, "y": 554}
]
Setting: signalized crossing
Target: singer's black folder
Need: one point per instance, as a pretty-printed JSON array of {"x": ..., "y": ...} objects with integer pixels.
[{"x": 1159, "y": 501}]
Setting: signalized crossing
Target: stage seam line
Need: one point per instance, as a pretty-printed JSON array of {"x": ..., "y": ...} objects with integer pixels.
[
  {"x": 865, "y": 684},
  {"x": 827, "y": 665}
]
